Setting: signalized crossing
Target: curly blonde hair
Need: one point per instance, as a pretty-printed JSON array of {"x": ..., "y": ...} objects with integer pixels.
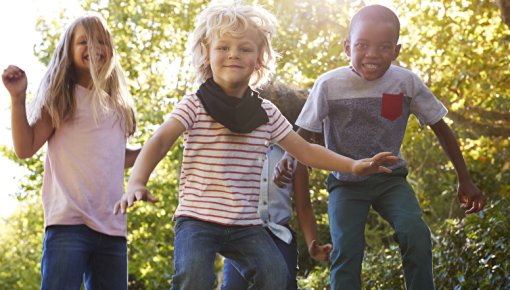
[{"x": 234, "y": 19}]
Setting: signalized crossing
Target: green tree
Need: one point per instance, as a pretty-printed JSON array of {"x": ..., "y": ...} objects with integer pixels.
[{"x": 460, "y": 48}]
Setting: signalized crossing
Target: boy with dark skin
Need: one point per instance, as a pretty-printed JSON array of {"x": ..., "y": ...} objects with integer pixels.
[{"x": 364, "y": 108}]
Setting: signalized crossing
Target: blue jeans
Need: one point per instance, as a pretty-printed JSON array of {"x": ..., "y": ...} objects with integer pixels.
[
  {"x": 197, "y": 243},
  {"x": 394, "y": 199},
  {"x": 232, "y": 279},
  {"x": 74, "y": 252}
]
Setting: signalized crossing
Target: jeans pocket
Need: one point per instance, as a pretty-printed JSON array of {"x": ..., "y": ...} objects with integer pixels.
[{"x": 392, "y": 105}]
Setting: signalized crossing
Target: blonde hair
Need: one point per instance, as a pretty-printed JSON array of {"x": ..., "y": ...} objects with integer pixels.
[
  {"x": 108, "y": 90},
  {"x": 233, "y": 19}
]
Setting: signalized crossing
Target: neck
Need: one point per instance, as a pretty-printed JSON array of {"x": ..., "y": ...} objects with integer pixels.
[
  {"x": 233, "y": 90},
  {"x": 84, "y": 80}
]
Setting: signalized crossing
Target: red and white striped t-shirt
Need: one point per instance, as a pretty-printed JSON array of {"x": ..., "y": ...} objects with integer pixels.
[{"x": 220, "y": 174}]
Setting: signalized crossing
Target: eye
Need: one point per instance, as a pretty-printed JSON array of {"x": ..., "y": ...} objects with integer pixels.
[
  {"x": 246, "y": 49},
  {"x": 222, "y": 48},
  {"x": 385, "y": 47},
  {"x": 361, "y": 45}
]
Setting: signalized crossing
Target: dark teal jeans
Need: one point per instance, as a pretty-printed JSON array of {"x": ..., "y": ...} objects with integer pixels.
[{"x": 394, "y": 199}]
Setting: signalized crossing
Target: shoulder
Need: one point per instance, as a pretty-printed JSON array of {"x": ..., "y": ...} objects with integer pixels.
[
  {"x": 402, "y": 72},
  {"x": 191, "y": 101},
  {"x": 268, "y": 106},
  {"x": 335, "y": 74}
]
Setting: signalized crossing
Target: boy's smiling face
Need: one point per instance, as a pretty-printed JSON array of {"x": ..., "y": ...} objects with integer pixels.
[
  {"x": 372, "y": 46},
  {"x": 233, "y": 60}
]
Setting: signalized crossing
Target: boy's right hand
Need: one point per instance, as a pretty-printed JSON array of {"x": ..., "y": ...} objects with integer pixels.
[
  {"x": 283, "y": 171},
  {"x": 15, "y": 82},
  {"x": 131, "y": 196}
]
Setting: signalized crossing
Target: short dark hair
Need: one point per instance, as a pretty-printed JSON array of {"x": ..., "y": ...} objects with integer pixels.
[{"x": 376, "y": 13}]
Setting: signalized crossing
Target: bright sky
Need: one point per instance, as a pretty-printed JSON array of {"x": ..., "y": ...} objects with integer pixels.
[{"x": 18, "y": 35}]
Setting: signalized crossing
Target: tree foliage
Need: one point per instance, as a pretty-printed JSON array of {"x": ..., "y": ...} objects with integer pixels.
[{"x": 460, "y": 48}]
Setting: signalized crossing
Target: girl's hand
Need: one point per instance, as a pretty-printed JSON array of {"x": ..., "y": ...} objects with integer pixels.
[
  {"x": 15, "y": 81},
  {"x": 131, "y": 196},
  {"x": 373, "y": 165},
  {"x": 319, "y": 252}
]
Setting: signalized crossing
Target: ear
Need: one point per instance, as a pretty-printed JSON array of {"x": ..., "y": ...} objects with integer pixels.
[
  {"x": 397, "y": 51},
  {"x": 258, "y": 65},
  {"x": 347, "y": 47}
]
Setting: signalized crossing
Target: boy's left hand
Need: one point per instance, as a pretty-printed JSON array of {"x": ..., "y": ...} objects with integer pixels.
[
  {"x": 319, "y": 252},
  {"x": 375, "y": 164},
  {"x": 470, "y": 197}
]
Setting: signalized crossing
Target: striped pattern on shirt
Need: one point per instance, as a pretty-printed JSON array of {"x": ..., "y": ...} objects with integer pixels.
[{"x": 221, "y": 170}]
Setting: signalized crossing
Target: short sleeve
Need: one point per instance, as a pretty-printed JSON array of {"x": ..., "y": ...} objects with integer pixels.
[
  {"x": 315, "y": 108},
  {"x": 186, "y": 111},
  {"x": 424, "y": 105},
  {"x": 279, "y": 126}
]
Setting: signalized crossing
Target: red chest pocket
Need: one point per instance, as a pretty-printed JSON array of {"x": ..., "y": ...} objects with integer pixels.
[{"x": 391, "y": 107}]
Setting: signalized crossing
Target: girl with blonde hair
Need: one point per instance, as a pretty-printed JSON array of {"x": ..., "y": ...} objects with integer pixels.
[{"x": 84, "y": 112}]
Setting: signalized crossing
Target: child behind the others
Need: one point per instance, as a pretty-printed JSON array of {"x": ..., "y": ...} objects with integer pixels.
[
  {"x": 83, "y": 111},
  {"x": 227, "y": 129},
  {"x": 275, "y": 208},
  {"x": 364, "y": 109}
]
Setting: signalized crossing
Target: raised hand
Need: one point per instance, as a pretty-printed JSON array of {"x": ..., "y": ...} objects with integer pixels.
[{"x": 15, "y": 81}]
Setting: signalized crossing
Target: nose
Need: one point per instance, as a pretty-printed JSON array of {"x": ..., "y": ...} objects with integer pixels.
[
  {"x": 372, "y": 51},
  {"x": 233, "y": 54}
]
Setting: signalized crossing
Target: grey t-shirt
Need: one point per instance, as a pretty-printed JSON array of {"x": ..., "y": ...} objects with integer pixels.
[{"x": 362, "y": 118}]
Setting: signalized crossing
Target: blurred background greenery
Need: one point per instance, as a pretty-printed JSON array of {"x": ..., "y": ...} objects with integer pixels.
[{"x": 459, "y": 47}]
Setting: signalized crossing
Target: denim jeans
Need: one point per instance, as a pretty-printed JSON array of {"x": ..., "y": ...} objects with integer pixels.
[
  {"x": 232, "y": 279},
  {"x": 74, "y": 252},
  {"x": 394, "y": 199},
  {"x": 197, "y": 243}
]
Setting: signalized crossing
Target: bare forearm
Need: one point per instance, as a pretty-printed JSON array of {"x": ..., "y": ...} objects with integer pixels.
[
  {"x": 22, "y": 133},
  {"x": 450, "y": 146},
  {"x": 150, "y": 155},
  {"x": 308, "y": 224},
  {"x": 317, "y": 156}
]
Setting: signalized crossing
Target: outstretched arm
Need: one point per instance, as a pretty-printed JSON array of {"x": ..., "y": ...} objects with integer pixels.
[
  {"x": 152, "y": 152},
  {"x": 471, "y": 198},
  {"x": 283, "y": 170},
  {"x": 27, "y": 139},
  {"x": 320, "y": 157},
  {"x": 306, "y": 216}
]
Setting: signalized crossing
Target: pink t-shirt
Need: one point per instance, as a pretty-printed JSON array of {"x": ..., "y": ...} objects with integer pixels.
[{"x": 84, "y": 170}]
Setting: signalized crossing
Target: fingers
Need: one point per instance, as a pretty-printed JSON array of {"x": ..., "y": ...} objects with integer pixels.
[
  {"x": 12, "y": 72},
  {"x": 128, "y": 199},
  {"x": 319, "y": 252},
  {"x": 282, "y": 174},
  {"x": 116, "y": 207},
  {"x": 472, "y": 204}
]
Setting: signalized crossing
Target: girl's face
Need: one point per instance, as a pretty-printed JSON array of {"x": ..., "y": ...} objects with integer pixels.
[
  {"x": 233, "y": 60},
  {"x": 372, "y": 47},
  {"x": 81, "y": 57}
]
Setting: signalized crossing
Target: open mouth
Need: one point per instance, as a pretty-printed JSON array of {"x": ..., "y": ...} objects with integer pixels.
[{"x": 370, "y": 66}]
